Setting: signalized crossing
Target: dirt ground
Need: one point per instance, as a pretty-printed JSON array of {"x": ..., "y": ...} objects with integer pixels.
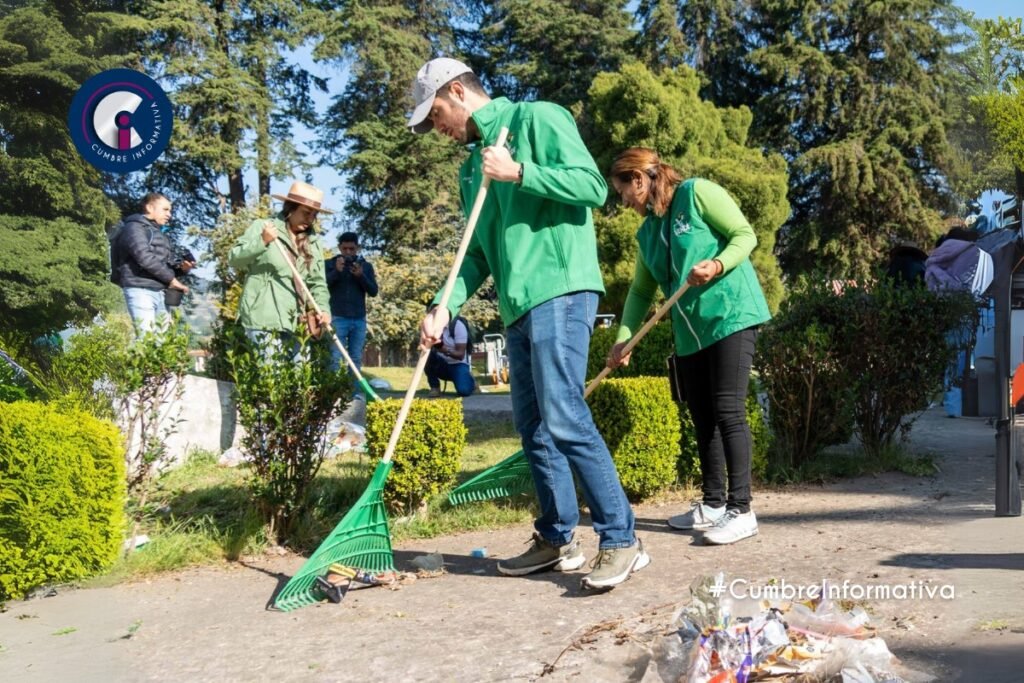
[{"x": 472, "y": 624}]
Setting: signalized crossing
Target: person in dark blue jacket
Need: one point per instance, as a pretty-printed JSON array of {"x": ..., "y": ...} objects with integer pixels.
[
  {"x": 350, "y": 279},
  {"x": 143, "y": 262}
]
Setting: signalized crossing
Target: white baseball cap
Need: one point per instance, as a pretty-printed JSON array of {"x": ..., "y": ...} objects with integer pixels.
[{"x": 430, "y": 78}]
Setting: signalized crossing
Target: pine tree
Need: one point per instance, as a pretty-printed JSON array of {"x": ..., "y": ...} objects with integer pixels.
[
  {"x": 855, "y": 104},
  {"x": 403, "y": 188},
  {"x": 236, "y": 97},
  {"x": 53, "y": 213},
  {"x": 660, "y": 44},
  {"x": 548, "y": 49}
]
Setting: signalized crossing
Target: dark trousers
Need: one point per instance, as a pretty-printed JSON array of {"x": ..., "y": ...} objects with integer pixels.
[{"x": 715, "y": 381}]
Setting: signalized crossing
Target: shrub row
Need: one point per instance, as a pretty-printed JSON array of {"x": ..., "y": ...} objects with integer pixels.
[{"x": 62, "y": 495}]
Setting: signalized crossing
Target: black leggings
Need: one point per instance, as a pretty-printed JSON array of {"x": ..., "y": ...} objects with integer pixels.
[{"x": 715, "y": 381}]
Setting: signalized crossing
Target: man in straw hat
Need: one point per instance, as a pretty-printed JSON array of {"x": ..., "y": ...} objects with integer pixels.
[
  {"x": 271, "y": 303},
  {"x": 535, "y": 236}
]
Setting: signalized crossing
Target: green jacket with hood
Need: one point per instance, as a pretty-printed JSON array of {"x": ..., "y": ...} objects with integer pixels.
[
  {"x": 703, "y": 222},
  {"x": 535, "y": 238},
  {"x": 269, "y": 300}
]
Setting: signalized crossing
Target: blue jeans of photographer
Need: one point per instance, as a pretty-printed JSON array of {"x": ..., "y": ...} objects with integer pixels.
[
  {"x": 144, "y": 307},
  {"x": 547, "y": 351},
  {"x": 352, "y": 334}
]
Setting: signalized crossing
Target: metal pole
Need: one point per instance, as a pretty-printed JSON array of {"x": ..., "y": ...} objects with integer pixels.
[{"x": 1007, "y": 477}]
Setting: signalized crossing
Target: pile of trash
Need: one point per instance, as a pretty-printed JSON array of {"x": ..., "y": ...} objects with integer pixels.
[
  {"x": 721, "y": 639},
  {"x": 344, "y": 437},
  {"x": 339, "y": 437}
]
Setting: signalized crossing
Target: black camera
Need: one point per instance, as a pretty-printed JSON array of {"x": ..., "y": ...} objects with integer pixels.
[
  {"x": 350, "y": 259},
  {"x": 182, "y": 256}
]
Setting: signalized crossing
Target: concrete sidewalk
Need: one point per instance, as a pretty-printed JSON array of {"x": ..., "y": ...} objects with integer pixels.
[{"x": 472, "y": 624}]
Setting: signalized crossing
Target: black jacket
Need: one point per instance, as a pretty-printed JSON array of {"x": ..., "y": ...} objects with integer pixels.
[{"x": 141, "y": 255}]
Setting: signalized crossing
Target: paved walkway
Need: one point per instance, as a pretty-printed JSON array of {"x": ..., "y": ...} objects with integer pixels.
[
  {"x": 471, "y": 624},
  {"x": 474, "y": 404}
]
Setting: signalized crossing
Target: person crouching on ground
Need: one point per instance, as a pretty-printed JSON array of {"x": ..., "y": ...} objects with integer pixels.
[
  {"x": 449, "y": 360},
  {"x": 714, "y": 323},
  {"x": 271, "y": 303},
  {"x": 536, "y": 238}
]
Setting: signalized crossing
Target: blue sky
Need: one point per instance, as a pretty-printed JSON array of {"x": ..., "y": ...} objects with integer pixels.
[{"x": 327, "y": 179}]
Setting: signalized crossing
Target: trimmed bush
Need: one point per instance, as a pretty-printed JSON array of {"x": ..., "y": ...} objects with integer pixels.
[
  {"x": 62, "y": 496},
  {"x": 429, "y": 451},
  {"x": 648, "y": 358},
  {"x": 640, "y": 424}
]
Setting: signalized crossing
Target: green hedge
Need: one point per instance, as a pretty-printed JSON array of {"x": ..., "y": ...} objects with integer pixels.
[
  {"x": 863, "y": 361},
  {"x": 640, "y": 424},
  {"x": 62, "y": 496},
  {"x": 429, "y": 451},
  {"x": 648, "y": 358}
]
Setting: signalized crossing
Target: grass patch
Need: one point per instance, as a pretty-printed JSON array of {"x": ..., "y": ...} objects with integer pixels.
[
  {"x": 400, "y": 377},
  {"x": 201, "y": 513},
  {"x": 994, "y": 625}
]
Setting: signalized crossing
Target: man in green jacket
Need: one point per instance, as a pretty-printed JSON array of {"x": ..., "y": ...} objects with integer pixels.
[{"x": 535, "y": 237}]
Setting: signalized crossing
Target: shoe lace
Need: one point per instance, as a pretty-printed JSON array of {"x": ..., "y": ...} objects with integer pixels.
[
  {"x": 726, "y": 517},
  {"x": 602, "y": 556}
]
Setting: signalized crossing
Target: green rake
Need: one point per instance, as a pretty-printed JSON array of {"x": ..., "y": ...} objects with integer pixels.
[
  {"x": 310, "y": 301},
  {"x": 362, "y": 539},
  {"x": 512, "y": 475}
]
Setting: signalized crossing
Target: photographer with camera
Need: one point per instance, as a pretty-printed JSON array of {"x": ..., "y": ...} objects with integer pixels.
[
  {"x": 143, "y": 263},
  {"x": 350, "y": 278}
]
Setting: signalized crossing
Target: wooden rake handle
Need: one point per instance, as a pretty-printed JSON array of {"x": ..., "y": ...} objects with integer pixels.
[
  {"x": 446, "y": 294},
  {"x": 307, "y": 296},
  {"x": 635, "y": 339}
]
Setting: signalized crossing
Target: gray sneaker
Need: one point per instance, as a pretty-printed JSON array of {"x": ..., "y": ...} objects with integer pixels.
[
  {"x": 543, "y": 556},
  {"x": 700, "y": 516},
  {"x": 612, "y": 566}
]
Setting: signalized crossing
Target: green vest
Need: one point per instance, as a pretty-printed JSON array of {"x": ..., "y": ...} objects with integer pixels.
[{"x": 670, "y": 246}]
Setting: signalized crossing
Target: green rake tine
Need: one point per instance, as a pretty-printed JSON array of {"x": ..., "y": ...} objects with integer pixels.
[
  {"x": 360, "y": 540},
  {"x": 509, "y": 477}
]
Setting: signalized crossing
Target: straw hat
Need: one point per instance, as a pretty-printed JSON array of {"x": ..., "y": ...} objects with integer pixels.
[{"x": 305, "y": 194}]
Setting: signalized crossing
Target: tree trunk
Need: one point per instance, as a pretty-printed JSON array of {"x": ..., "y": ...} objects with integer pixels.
[{"x": 236, "y": 189}]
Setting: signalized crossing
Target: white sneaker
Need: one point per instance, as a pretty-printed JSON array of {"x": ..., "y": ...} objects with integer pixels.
[
  {"x": 731, "y": 527},
  {"x": 700, "y": 516}
]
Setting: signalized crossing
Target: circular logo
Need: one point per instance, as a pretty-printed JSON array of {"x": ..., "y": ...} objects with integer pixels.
[{"x": 120, "y": 120}]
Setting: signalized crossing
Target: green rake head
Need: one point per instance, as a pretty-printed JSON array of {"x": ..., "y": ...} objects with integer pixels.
[
  {"x": 360, "y": 540},
  {"x": 509, "y": 477}
]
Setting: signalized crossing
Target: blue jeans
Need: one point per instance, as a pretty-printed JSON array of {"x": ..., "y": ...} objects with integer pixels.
[
  {"x": 547, "y": 352},
  {"x": 144, "y": 307},
  {"x": 352, "y": 334},
  {"x": 439, "y": 369}
]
